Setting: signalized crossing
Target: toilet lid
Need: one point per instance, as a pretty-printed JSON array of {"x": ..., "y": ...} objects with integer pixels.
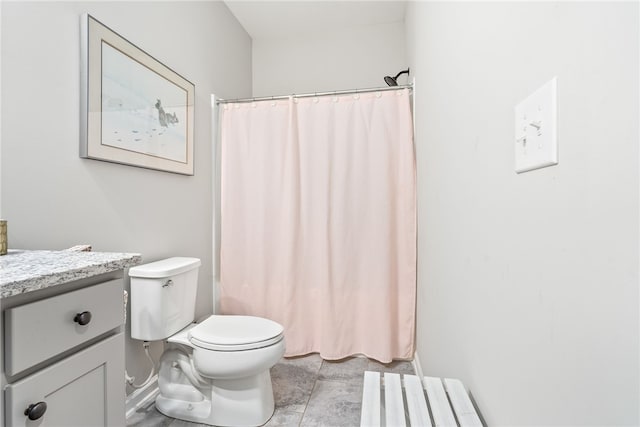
[{"x": 234, "y": 333}]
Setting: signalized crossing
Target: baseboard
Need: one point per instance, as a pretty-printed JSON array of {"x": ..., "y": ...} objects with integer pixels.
[
  {"x": 141, "y": 397},
  {"x": 416, "y": 365}
]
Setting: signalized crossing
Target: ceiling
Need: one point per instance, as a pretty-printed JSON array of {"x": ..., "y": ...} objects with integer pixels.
[{"x": 273, "y": 19}]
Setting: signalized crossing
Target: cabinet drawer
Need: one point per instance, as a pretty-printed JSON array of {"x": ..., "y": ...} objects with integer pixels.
[
  {"x": 83, "y": 390},
  {"x": 39, "y": 330}
]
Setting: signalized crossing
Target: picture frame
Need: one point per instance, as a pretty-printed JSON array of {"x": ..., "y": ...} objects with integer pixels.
[{"x": 134, "y": 109}]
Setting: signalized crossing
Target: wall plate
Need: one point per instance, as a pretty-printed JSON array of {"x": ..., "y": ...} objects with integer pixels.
[{"x": 536, "y": 137}]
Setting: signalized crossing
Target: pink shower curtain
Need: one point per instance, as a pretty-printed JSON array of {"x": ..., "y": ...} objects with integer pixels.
[{"x": 318, "y": 225}]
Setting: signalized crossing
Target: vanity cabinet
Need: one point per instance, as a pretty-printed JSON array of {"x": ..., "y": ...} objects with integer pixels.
[{"x": 63, "y": 350}]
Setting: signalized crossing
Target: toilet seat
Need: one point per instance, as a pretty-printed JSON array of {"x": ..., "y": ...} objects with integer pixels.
[{"x": 235, "y": 333}]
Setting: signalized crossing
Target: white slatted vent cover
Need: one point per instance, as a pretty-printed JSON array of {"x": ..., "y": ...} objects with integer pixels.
[{"x": 395, "y": 401}]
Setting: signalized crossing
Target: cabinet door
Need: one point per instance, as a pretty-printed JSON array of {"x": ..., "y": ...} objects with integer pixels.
[{"x": 83, "y": 390}]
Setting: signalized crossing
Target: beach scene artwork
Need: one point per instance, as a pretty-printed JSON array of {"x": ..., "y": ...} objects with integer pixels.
[{"x": 142, "y": 111}]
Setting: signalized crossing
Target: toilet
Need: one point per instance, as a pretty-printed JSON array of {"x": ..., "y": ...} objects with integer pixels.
[{"x": 214, "y": 372}]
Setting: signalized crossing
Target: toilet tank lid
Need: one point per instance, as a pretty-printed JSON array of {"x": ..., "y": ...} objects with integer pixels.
[{"x": 164, "y": 268}]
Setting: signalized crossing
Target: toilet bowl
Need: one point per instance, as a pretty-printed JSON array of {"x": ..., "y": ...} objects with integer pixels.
[
  {"x": 222, "y": 364},
  {"x": 213, "y": 372}
]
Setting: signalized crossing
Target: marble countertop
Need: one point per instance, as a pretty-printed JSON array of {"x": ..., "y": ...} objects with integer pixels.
[{"x": 23, "y": 271}]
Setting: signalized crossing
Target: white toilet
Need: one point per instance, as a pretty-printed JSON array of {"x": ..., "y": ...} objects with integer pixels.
[{"x": 215, "y": 372}]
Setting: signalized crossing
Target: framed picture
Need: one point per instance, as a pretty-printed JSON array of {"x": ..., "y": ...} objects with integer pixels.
[{"x": 134, "y": 110}]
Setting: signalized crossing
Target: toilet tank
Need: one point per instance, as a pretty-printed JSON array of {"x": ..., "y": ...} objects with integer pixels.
[{"x": 163, "y": 297}]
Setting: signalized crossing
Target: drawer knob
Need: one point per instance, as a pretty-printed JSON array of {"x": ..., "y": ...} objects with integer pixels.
[
  {"x": 83, "y": 318},
  {"x": 36, "y": 410}
]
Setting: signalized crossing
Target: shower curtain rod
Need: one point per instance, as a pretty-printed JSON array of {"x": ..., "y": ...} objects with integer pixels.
[{"x": 308, "y": 95}]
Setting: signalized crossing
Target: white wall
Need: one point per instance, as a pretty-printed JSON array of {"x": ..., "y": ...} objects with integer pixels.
[
  {"x": 51, "y": 198},
  {"x": 528, "y": 284},
  {"x": 356, "y": 57}
]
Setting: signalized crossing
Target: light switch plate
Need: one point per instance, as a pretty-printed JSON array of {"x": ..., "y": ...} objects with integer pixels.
[{"x": 536, "y": 137}]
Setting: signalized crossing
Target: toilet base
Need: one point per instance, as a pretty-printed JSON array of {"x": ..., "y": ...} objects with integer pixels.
[
  {"x": 238, "y": 402},
  {"x": 196, "y": 412}
]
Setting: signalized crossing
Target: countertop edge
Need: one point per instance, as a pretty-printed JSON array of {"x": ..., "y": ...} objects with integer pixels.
[{"x": 91, "y": 264}]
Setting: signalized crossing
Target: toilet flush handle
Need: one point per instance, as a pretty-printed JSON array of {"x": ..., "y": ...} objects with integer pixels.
[{"x": 168, "y": 283}]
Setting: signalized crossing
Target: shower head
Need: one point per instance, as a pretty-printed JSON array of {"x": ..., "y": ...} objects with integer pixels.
[{"x": 393, "y": 81}]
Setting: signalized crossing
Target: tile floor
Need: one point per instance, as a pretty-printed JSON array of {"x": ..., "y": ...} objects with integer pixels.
[{"x": 308, "y": 391}]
